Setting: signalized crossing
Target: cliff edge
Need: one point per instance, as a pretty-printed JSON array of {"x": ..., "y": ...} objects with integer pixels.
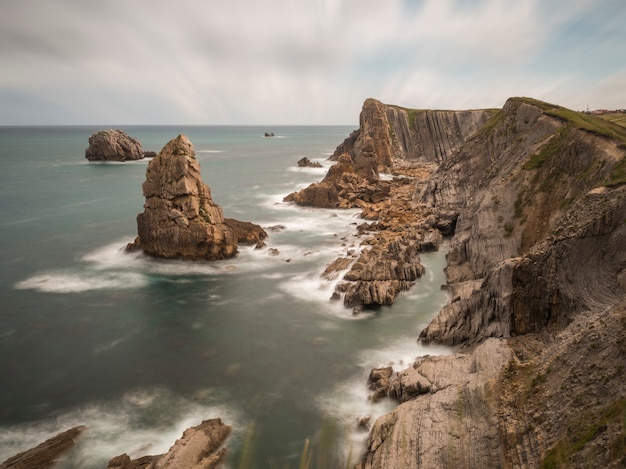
[{"x": 534, "y": 196}]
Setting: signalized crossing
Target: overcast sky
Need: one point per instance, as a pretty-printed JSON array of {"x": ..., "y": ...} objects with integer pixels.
[{"x": 300, "y": 61}]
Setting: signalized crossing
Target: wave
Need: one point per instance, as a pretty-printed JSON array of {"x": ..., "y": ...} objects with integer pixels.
[
  {"x": 141, "y": 422},
  {"x": 78, "y": 282}
]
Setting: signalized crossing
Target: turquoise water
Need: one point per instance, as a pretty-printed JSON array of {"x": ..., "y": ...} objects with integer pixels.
[{"x": 139, "y": 349}]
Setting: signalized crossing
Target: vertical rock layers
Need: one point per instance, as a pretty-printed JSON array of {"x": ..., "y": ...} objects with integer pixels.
[{"x": 180, "y": 219}]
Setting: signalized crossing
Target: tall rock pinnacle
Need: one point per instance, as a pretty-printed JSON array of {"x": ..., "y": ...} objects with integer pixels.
[{"x": 180, "y": 219}]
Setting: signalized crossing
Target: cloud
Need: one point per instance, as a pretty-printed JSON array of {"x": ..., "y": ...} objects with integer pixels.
[{"x": 279, "y": 61}]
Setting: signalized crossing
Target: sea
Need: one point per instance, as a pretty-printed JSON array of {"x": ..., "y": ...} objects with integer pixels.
[{"x": 139, "y": 349}]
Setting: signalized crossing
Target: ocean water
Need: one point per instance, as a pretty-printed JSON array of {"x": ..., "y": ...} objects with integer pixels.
[{"x": 139, "y": 349}]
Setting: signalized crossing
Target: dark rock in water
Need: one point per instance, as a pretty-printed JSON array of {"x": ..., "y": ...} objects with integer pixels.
[
  {"x": 113, "y": 145},
  {"x": 246, "y": 232},
  {"x": 46, "y": 454},
  {"x": 199, "y": 448},
  {"x": 269, "y": 134},
  {"x": 149, "y": 154},
  {"x": 180, "y": 219},
  {"x": 307, "y": 163}
]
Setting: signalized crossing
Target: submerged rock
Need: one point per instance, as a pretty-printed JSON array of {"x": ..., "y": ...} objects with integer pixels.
[
  {"x": 113, "y": 145},
  {"x": 180, "y": 219}
]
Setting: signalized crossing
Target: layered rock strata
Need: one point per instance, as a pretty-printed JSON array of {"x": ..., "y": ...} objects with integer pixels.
[
  {"x": 536, "y": 201},
  {"x": 113, "y": 145},
  {"x": 46, "y": 454},
  {"x": 200, "y": 447},
  {"x": 180, "y": 219},
  {"x": 387, "y": 260},
  {"x": 411, "y": 134}
]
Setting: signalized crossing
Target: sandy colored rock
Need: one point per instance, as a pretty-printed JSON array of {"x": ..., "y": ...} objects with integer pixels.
[
  {"x": 113, "y": 145},
  {"x": 46, "y": 454},
  {"x": 180, "y": 219},
  {"x": 200, "y": 447}
]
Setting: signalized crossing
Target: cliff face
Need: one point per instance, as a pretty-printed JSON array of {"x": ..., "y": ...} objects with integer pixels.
[
  {"x": 531, "y": 203},
  {"x": 536, "y": 202},
  {"x": 411, "y": 134}
]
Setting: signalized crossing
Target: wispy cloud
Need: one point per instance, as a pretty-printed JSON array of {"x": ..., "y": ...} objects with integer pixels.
[{"x": 279, "y": 61}]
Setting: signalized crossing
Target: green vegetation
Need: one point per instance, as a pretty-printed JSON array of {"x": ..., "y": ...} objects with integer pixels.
[
  {"x": 556, "y": 143},
  {"x": 593, "y": 124},
  {"x": 618, "y": 118},
  {"x": 412, "y": 113},
  {"x": 584, "y": 431},
  {"x": 508, "y": 230},
  {"x": 497, "y": 117},
  {"x": 618, "y": 175}
]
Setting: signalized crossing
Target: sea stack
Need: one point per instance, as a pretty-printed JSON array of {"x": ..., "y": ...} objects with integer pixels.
[
  {"x": 180, "y": 219},
  {"x": 113, "y": 145}
]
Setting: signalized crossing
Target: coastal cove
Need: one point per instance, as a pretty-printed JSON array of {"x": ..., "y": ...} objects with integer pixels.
[{"x": 139, "y": 349}]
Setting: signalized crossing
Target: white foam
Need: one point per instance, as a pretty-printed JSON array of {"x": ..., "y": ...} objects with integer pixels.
[
  {"x": 59, "y": 282},
  {"x": 139, "y": 423}
]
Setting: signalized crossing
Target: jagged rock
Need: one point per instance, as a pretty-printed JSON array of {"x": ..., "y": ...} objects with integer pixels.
[
  {"x": 378, "y": 382},
  {"x": 200, "y": 447},
  {"x": 411, "y": 134},
  {"x": 113, "y": 145},
  {"x": 246, "y": 232},
  {"x": 180, "y": 219},
  {"x": 307, "y": 163},
  {"x": 384, "y": 270},
  {"x": 510, "y": 229},
  {"x": 46, "y": 454},
  {"x": 451, "y": 425},
  {"x": 269, "y": 134},
  {"x": 332, "y": 270},
  {"x": 536, "y": 204}
]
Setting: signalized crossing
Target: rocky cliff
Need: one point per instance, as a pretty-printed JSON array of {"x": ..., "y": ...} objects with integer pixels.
[
  {"x": 411, "y": 134},
  {"x": 180, "y": 219},
  {"x": 536, "y": 201},
  {"x": 113, "y": 145}
]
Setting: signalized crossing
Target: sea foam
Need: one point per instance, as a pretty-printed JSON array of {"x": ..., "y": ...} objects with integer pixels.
[{"x": 141, "y": 422}]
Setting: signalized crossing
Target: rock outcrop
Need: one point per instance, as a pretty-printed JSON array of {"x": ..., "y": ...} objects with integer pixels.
[
  {"x": 305, "y": 162},
  {"x": 113, "y": 145},
  {"x": 411, "y": 134},
  {"x": 200, "y": 447},
  {"x": 180, "y": 219},
  {"x": 46, "y": 454},
  {"x": 531, "y": 200},
  {"x": 536, "y": 202}
]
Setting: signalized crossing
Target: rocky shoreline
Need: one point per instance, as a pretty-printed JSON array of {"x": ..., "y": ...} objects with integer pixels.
[{"x": 533, "y": 198}]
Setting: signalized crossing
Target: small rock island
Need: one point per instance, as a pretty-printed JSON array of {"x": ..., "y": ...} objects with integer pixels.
[
  {"x": 180, "y": 219},
  {"x": 113, "y": 145}
]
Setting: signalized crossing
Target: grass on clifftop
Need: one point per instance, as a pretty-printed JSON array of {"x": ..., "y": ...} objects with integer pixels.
[{"x": 593, "y": 124}]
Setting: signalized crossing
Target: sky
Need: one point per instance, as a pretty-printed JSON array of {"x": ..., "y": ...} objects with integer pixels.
[{"x": 300, "y": 61}]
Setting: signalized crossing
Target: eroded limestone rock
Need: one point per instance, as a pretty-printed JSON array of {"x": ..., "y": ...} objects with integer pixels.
[
  {"x": 113, "y": 145},
  {"x": 200, "y": 447},
  {"x": 180, "y": 219}
]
